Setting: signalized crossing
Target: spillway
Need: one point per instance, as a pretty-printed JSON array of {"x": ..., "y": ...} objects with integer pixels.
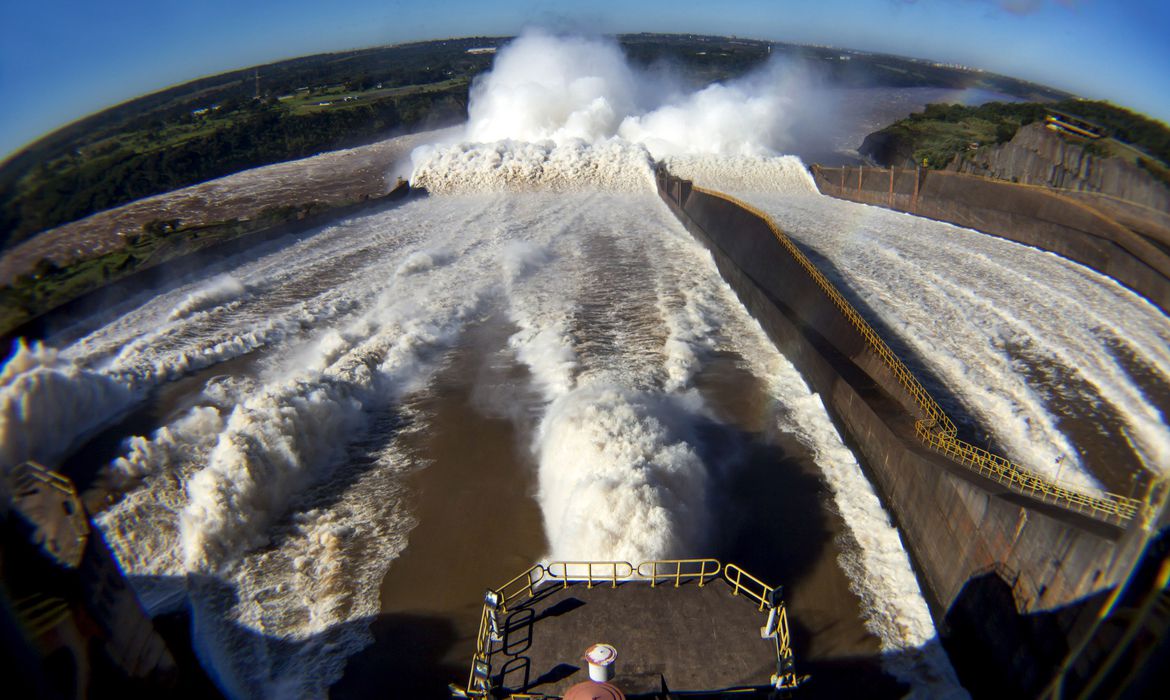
[
  {"x": 293, "y": 394},
  {"x": 305, "y": 402},
  {"x": 1061, "y": 364},
  {"x": 1039, "y": 357},
  {"x": 325, "y": 447}
]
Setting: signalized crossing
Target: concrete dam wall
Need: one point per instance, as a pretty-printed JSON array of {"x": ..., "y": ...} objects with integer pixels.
[
  {"x": 1015, "y": 571},
  {"x": 1136, "y": 253}
]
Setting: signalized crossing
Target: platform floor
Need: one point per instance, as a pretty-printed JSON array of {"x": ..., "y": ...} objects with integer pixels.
[{"x": 690, "y": 637}]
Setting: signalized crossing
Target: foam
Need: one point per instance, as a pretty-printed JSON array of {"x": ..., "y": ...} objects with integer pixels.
[
  {"x": 619, "y": 477},
  {"x": 273, "y": 445},
  {"x": 515, "y": 166},
  {"x": 215, "y": 292},
  {"x": 295, "y": 429},
  {"x": 419, "y": 261},
  {"x": 48, "y": 404},
  {"x": 750, "y": 173}
]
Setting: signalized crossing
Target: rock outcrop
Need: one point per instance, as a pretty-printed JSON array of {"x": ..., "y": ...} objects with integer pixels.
[
  {"x": 1038, "y": 156},
  {"x": 888, "y": 148}
]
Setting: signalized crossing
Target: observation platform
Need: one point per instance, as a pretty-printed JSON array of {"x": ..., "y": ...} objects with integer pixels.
[{"x": 678, "y": 626}]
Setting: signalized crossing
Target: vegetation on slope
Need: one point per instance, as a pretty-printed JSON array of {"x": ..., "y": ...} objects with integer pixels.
[
  {"x": 49, "y": 286},
  {"x": 222, "y": 124},
  {"x": 936, "y": 135}
]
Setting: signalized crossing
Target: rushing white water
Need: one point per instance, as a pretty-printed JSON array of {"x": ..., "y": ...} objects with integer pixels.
[
  {"x": 48, "y": 403},
  {"x": 786, "y": 174},
  {"x": 979, "y": 312},
  {"x": 510, "y": 166},
  {"x": 270, "y": 496}
]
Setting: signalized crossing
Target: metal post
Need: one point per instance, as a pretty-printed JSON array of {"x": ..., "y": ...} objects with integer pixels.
[{"x": 914, "y": 198}]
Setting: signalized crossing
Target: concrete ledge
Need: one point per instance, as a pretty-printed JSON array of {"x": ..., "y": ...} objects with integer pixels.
[
  {"x": 1124, "y": 242},
  {"x": 958, "y": 526}
]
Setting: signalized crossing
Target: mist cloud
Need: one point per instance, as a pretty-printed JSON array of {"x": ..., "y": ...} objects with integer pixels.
[{"x": 560, "y": 88}]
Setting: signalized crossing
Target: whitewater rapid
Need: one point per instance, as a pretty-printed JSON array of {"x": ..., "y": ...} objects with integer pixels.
[
  {"x": 271, "y": 498},
  {"x": 1059, "y": 363},
  {"x": 270, "y": 494}
]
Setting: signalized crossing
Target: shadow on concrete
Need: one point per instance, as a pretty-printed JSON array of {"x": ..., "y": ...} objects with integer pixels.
[
  {"x": 408, "y": 656},
  {"x": 999, "y": 652}
]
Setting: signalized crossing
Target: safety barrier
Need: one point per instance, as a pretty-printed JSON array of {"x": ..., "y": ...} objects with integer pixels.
[
  {"x": 479, "y": 679},
  {"x": 585, "y": 571},
  {"x": 752, "y": 587},
  {"x": 513, "y": 589},
  {"x": 935, "y": 429},
  {"x": 683, "y": 570},
  {"x": 479, "y": 684}
]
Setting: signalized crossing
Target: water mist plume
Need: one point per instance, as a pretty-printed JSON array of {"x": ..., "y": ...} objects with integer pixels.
[{"x": 571, "y": 113}]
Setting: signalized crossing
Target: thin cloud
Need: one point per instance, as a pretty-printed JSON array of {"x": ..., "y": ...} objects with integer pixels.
[{"x": 1015, "y": 7}]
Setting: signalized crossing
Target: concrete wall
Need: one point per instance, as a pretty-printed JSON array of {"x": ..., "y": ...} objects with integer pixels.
[
  {"x": 1066, "y": 225},
  {"x": 958, "y": 526},
  {"x": 1039, "y": 156}
]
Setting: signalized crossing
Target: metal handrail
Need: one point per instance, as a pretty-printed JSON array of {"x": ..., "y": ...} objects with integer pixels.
[
  {"x": 613, "y": 577},
  {"x": 758, "y": 590},
  {"x": 680, "y": 570},
  {"x": 479, "y": 678},
  {"x": 935, "y": 429},
  {"x": 479, "y": 684},
  {"x": 529, "y": 586}
]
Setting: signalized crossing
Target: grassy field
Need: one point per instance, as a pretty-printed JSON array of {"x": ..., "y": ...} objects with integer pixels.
[{"x": 336, "y": 98}]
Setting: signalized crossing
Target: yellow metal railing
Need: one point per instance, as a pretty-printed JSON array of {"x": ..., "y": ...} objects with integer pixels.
[
  {"x": 479, "y": 684},
  {"x": 590, "y": 572},
  {"x": 752, "y": 587},
  {"x": 524, "y": 583},
  {"x": 679, "y": 570},
  {"x": 935, "y": 429},
  {"x": 755, "y": 589},
  {"x": 479, "y": 678}
]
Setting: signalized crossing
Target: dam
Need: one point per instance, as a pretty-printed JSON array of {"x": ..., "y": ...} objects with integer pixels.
[
  {"x": 949, "y": 491},
  {"x": 309, "y": 459},
  {"x": 496, "y": 345}
]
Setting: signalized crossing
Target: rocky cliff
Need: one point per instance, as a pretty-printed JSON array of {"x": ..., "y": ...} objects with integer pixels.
[{"x": 1039, "y": 156}]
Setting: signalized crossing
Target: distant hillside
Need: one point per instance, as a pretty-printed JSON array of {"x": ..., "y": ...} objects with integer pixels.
[
  {"x": 938, "y": 135},
  {"x": 226, "y": 123}
]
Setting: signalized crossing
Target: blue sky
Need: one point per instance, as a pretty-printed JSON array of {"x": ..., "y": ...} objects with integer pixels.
[{"x": 64, "y": 59}]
